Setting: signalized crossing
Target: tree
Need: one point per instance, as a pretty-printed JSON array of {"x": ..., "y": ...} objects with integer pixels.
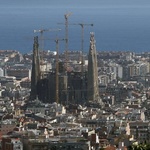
[{"x": 139, "y": 147}]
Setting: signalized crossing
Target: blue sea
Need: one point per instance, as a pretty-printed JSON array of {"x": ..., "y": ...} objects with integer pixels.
[{"x": 119, "y": 25}]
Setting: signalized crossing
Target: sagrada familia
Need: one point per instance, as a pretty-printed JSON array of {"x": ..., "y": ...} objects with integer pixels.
[{"x": 68, "y": 87}]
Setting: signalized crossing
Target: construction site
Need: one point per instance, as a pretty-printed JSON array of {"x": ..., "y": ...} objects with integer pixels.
[{"x": 61, "y": 85}]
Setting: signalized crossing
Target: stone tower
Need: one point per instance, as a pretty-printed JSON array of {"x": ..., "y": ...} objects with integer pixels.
[
  {"x": 93, "y": 90},
  {"x": 35, "y": 74}
]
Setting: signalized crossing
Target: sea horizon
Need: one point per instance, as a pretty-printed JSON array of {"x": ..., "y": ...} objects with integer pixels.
[{"x": 118, "y": 25}]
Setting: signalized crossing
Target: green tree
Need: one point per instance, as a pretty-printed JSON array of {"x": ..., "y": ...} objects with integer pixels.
[{"x": 139, "y": 147}]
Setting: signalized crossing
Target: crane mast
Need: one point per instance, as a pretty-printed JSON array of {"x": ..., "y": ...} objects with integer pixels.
[
  {"x": 66, "y": 36},
  {"x": 57, "y": 68},
  {"x": 82, "y": 42},
  {"x": 81, "y": 54},
  {"x": 41, "y": 31}
]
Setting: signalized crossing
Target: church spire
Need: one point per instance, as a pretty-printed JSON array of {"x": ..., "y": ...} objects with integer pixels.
[
  {"x": 93, "y": 90},
  {"x": 35, "y": 74}
]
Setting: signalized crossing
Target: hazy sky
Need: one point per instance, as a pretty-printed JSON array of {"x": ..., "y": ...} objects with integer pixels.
[{"x": 73, "y": 3}]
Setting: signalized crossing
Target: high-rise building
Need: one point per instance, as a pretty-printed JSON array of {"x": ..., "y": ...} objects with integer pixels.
[{"x": 93, "y": 90}]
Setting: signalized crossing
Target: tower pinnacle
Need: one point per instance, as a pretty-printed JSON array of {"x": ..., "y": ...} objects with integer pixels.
[
  {"x": 35, "y": 75},
  {"x": 93, "y": 91}
]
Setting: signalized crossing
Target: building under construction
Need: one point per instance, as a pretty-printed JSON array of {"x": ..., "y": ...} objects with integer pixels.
[{"x": 71, "y": 87}]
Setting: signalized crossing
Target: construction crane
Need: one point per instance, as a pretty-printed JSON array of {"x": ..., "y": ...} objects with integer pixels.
[
  {"x": 82, "y": 34},
  {"x": 82, "y": 49},
  {"x": 66, "y": 38},
  {"x": 82, "y": 41},
  {"x": 82, "y": 37},
  {"x": 41, "y": 31},
  {"x": 57, "y": 68}
]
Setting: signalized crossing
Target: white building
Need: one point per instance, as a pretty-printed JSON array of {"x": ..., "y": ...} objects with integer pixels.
[
  {"x": 1, "y": 72},
  {"x": 117, "y": 69},
  {"x": 17, "y": 144}
]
